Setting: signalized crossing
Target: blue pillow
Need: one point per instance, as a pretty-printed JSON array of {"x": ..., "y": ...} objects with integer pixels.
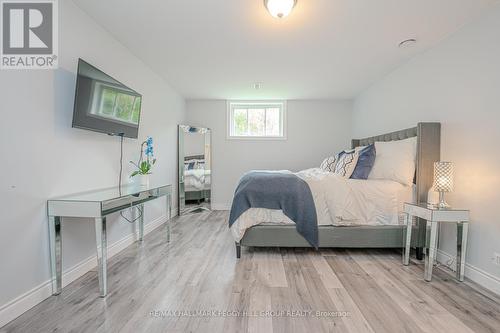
[{"x": 365, "y": 163}]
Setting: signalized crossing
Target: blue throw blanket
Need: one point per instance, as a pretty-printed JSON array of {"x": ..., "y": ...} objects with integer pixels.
[{"x": 275, "y": 190}]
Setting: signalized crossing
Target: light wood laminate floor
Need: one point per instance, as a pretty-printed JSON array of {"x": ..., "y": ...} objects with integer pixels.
[{"x": 158, "y": 287}]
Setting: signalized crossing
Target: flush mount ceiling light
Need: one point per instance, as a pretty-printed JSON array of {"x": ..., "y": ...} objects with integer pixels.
[{"x": 280, "y": 8}]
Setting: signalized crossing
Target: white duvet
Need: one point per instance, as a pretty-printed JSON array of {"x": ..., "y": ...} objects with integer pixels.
[
  {"x": 338, "y": 201},
  {"x": 196, "y": 179}
]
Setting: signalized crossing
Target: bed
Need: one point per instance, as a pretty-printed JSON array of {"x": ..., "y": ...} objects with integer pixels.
[{"x": 370, "y": 235}]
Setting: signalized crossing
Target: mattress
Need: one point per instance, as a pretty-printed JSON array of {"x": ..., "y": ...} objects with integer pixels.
[{"x": 368, "y": 202}]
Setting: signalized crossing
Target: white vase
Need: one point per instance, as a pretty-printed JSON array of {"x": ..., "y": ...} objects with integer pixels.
[{"x": 143, "y": 180}]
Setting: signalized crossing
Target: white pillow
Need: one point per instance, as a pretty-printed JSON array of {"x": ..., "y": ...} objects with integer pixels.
[{"x": 395, "y": 160}]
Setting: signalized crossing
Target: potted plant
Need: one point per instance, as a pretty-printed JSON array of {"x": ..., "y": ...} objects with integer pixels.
[{"x": 145, "y": 163}]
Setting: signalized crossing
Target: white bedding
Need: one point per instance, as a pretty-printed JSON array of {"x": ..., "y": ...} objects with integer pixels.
[
  {"x": 196, "y": 179},
  {"x": 339, "y": 201}
]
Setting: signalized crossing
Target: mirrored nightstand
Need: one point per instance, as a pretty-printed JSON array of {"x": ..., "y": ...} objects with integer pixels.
[{"x": 434, "y": 216}]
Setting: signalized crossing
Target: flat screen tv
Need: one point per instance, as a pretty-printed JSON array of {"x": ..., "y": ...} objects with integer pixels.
[{"x": 103, "y": 104}]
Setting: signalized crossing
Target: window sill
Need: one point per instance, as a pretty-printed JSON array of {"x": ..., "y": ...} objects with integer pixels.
[{"x": 256, "y": 138}]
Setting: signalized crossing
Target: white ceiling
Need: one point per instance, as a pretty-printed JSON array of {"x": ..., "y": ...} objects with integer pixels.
[{"x": 324, "y": 49}]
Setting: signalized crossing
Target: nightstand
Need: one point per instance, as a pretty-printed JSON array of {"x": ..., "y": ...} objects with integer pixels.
[{"x": 434, "y": 216}]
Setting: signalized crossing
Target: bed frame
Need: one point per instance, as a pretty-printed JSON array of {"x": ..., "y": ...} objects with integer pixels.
[{"x": 428, "y": 151}]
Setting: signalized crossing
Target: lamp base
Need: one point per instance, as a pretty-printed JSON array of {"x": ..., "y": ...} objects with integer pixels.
[{"x": 442, "y": 203}]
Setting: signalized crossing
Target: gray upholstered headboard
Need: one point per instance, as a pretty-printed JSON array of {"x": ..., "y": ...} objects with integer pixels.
[
  {"x": 194, "y": 157},
  {"x": 428, "y": 151},
  {"x": 398, "y": 135}
]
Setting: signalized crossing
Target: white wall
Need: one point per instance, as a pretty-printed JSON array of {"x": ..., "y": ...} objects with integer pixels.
[
  {"x": 316, "y": 129},
  {"x": 194, "y": 144},
  {"x": 43, "y": 157},
  {"x": 458, "y": 84}
]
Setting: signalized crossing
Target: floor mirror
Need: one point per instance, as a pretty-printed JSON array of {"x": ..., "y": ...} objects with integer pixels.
[{"x": 194, "y": 157}]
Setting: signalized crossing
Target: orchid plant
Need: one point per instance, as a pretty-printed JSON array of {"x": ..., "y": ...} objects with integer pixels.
[{"x": 146, "y": 160}]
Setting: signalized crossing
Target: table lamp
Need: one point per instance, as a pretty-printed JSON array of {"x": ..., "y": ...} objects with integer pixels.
[{"x": 443, "y": 181}]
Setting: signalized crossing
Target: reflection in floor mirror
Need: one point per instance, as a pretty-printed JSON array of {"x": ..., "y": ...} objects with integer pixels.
[{"x": 194, "y": 158}]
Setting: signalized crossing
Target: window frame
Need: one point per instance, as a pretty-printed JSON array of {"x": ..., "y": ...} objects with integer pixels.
[
  {"x": 98, "y": 89},
  {"x": 265, "y": 104}
]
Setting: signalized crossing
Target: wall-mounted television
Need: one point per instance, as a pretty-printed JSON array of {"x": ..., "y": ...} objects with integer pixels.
[{"x": 103, "y": 104}]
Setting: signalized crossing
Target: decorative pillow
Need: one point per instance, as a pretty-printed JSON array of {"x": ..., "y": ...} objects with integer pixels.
[
  {"x": 365, "y": 163},
  {"x": 329, "y": 163},
  {"x": 346, "y": 163},
  {"x": 395, "y": 160},
  {"x": 200, "y": 164}
]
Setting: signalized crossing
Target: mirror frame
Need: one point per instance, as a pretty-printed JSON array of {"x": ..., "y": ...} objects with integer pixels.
[{"x": 182, "y": 130}]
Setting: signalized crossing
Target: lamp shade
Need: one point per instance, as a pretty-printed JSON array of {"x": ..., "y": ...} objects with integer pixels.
[
  {"x": 443, "y": 176},
  {"x": 280, "y": 8}
]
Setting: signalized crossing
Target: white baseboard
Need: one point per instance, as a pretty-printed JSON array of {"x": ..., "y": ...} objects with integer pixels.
[
  {"x": 26, "y": 301},
  {"x": 475, "y": 274}
]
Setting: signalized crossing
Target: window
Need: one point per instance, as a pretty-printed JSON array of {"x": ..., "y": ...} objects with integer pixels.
[
  {"x": 256, "y": 120},
  {"x": 116, "y": 104}
]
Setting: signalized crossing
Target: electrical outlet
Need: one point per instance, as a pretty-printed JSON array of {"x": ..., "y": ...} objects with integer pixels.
[{"x": 496, "y": 259}]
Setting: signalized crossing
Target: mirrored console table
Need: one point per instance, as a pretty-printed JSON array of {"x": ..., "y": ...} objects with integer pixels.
[{"x": 97, "y": 205}]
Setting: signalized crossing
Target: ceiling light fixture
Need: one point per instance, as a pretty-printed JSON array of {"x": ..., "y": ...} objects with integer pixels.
[{"x": 280, "y": 8}]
